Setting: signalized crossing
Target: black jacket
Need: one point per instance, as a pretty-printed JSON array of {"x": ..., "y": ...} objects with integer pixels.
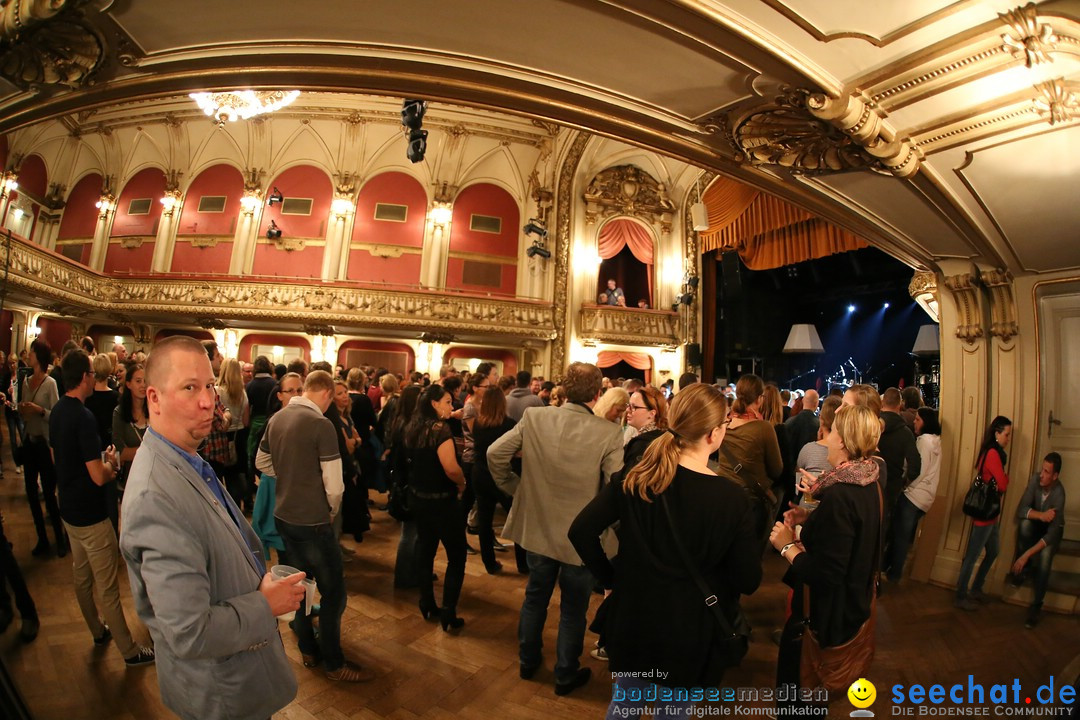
[
  {"x": 801, "y": 429},
  {"x": 897, "y": 446}
]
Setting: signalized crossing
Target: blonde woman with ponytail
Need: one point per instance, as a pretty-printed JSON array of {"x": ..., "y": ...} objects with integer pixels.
[{"x": 657, "y": 619}]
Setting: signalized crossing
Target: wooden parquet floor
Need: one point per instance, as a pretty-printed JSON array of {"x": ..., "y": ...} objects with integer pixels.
[{"x": 424, "y": 673}]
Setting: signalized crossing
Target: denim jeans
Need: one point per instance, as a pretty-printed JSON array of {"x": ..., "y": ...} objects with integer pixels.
[
  {"x": 405, "y": 573},
  {"x": 575, "y": 587},
  {"x": 982, "y": 536},
  {"x": 622, "y": 706},
  {"x": 906, "y": 518},
  {"x": 39, "y": 462},
  {"x": 315, "y": 550},
  {"x": 1028, "y": 533}
]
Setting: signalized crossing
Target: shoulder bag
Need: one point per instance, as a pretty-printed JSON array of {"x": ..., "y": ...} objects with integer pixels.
[
  {"x": 762, "y": 500},
  {"x": 983, "y": 500},
  {"x": 835, "y": 668},
  {"x": 732, "y": 642}
]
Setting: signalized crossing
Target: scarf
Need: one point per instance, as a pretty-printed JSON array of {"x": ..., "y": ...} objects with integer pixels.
[{"x": 857, "y": 472}]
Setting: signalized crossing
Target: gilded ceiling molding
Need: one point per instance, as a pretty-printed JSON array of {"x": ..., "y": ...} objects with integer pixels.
[
  {"x": 1003, "y": 320},
  {"x": 1027, "y": 37},
  {"x": 629, "y": 326},
  {"x": 50, "y": 42},
  {"x": 885, "y": 39},
  {"x": 964, "y": 287},
  {"x": 74, "y": 290},
  {"x": 812, "y": 133},
  {"x": 627, "y": 190},
  {"x": 1060, "y": 100},
  {"x": 923, "y": 289},
  {"x": 562, "y": 251}
]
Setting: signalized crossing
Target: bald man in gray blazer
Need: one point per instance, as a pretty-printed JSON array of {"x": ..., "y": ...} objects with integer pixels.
[{"x": 197, "y": 569}]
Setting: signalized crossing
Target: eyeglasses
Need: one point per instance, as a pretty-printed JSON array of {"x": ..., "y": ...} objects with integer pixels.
[{"x": 632, "y": 406}]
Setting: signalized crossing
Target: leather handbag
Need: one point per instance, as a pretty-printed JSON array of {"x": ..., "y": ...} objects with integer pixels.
[
  {"x": 983, "y": 500},
  {"x": 732, "y": 642},
  {"x": 835, "y": 668}
]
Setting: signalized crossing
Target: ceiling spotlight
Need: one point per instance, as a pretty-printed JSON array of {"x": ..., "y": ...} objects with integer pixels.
[
  {"x": 412, "y": 113},
  {"x": 851, "y": 308},
  {"x": 417, "y": 145},
  {"x": 535, "y": 227},
  {"x": 273, "y": 232},
  {"x": 274, "y": 197}
]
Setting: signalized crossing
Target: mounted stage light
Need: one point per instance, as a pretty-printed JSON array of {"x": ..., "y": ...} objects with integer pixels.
[
  {"x": 686, "y": 298},
  {"x": 535, "y": 227},
  {"x": 692, "y": 282},
  {"x": 275, "y": 197},
  {"x": 850, "y": 309},
  {"x": 412, "y": 113},
  {"x": 273, "y": 232},
  {"x": 699, "y": 214},
  {"x": 417, "y": 146},
  {"x": 538, "y": 250}
]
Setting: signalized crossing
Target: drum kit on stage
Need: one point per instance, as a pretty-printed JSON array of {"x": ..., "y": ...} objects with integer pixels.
[{"x": 842, "y": 378}]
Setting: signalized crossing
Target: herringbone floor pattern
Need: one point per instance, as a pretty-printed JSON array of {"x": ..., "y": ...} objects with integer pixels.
[{"x": 425, "y": 673}]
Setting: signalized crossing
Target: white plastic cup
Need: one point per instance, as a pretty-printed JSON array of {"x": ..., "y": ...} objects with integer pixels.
[{"x": 283, "y": 571}]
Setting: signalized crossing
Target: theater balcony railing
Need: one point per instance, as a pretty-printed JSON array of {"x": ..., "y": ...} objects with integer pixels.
[
  {"x": 65, "y": 287},
  {"x": 628, "y": 326}
]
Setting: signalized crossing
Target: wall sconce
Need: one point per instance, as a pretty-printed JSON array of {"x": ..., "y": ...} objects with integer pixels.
[
  {"x": 33, "y": 333},
  {"x": 105, "y": 205},
  {"x": 249, "y": 202},
  {"x": 169, "y": 202},
  {"x": 342, "y": 207},
  {"x": 8, "y": 183},
  {"x": 441, "y": 214}
]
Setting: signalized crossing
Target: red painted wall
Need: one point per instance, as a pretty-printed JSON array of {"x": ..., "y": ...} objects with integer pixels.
[
  {"x": 199, "y": 260},
  {"x": 54, "y": 332},
  {"x": 303, "y": 181},
  {"x": 250, "y": 341},
  {"x": 484, "y": 199},
  {"x": 508, "y": 359},
  {"x": 147, "y": 183},
  {"x": 6, "y": 318},
  {"x": 375, "y": 345},
  {"x": 122, "y": 259},
  {"x": 217, "y": 180},
  {"x": 103, "y": 335},
  {"x": 33, "y": 177},
  {"x": 398, "y": 189},
  {"x": 80, "y": 215}
]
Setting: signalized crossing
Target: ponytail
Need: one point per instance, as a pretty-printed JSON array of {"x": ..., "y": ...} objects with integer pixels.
[{"x": 656, "y": 469}]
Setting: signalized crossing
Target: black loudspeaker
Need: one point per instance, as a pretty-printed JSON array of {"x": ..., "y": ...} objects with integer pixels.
[
  {"x": 731, "y": 269},
  {"x": 693, "y": 355}
]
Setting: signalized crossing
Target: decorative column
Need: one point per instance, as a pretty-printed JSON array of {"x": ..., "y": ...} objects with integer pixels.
[
  {"x": 437, "y": 239},
  {"x": 8, "y": 184},
  {"x": 165, "y": 241},
  {"x": 106, "y": 212},
  {"x": 339, "y": 231},
  {"x": 244, "y": 240}
]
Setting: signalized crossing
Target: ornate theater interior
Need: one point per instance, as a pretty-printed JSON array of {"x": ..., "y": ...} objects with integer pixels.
[{"x": 562, "y": 143}]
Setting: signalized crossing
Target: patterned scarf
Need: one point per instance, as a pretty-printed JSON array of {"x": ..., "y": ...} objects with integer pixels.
[{"x": 857, "y": 472}]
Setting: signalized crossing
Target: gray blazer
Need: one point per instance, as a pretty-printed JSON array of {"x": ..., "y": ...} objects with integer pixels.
[
  {"x": 195, "y": 585},
  {"x": 567, "y": 453}
]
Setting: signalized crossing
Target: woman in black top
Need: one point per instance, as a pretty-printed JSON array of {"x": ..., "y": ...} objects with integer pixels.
[
  {"x": 103, "y": 401},
  {"x": 646, "y": 413},
  {"x": 656, "y": 617},
  {"x": 405, "y": 572},
  {"x": 836, "y": 556},
  {"x": 491, "y": 423},
  {"x": 435, "y": 481}
]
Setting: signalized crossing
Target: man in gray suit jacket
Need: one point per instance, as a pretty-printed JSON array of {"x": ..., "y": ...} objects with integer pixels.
[
  {"x": 566, "y": 455},
  {"x": 197, "y": 570}
]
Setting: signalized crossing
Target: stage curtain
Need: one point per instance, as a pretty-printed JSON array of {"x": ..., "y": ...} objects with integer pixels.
[
  {"x": 617, "y": 234},
  {"x": 638, "y": 361},
  {"x": 766, "y": 231}
]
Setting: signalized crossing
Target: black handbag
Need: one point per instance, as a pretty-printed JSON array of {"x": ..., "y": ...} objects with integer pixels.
[
  {"x": 732, "y": 642},
  {"x": 983, "y": 500},
  {"x": 397, "y": 500}
]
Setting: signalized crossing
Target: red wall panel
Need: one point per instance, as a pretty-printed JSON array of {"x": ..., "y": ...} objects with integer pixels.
[
  {"x": 217, "y": 180},
  {"x": 54, "y": 332},
  {"x": 303, "y": 181},
  {"x": 269, "y": 260},
  {"x": 33, "y": 177},
  {"x": 197, "y": 260},
  {"x": 122, "y": 259},
  {"x": 508, "y": 359},
  {"x": 6, "y": 318},
  {"x": 485, "y": 199},
  {"x": 395, "y": 188},
  {"x": 366, "y": 267},
  {"x": 250, "y": 341},
  {"x": 455, "y": 279},
  {"x": 80, "y": 215},
  {"x": 148, "y": 183}
]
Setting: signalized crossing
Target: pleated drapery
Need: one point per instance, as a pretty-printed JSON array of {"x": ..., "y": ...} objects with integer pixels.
[
  {"x": 766, "y": 231},
  {"x": 619, "y": 233},
  {"x": 638, "y": 361}
]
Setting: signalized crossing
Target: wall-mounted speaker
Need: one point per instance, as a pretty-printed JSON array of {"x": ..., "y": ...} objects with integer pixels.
[{"x": 693, "y": 355}]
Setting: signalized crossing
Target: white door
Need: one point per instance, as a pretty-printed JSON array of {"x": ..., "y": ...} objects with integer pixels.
[{"x": 1059, "y": 421}]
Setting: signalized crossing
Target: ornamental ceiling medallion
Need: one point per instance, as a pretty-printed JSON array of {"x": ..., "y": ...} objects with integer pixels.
[
  {"x": 628, "y": 190},
  {"x": 50, "y": 42}
]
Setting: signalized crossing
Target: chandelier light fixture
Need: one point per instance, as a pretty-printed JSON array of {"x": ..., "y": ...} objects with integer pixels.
[{"x": 236, "y": 105}]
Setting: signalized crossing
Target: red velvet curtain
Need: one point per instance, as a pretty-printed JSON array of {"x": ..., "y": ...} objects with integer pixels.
[
  {"x": 619, "y": 233},
  {"x": 638, "y": 361}
]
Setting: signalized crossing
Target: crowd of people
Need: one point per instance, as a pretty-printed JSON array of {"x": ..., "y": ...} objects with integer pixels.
[{"x": 657, "y": 498}]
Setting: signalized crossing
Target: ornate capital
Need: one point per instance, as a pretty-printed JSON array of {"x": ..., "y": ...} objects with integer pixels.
[
  {"x": 969, "y": 327},
  {"x": 628, "y": 190},
  {"x": 1003, "y": 321},
  {"x": 923, "y": 289}
]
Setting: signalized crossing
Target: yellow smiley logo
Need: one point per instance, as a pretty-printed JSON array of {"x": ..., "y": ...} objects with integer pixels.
[{"x": 862, "y": 693}]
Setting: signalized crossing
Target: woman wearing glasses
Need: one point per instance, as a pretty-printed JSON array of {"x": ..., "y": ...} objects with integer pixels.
[{"x": 647, "y": 414}]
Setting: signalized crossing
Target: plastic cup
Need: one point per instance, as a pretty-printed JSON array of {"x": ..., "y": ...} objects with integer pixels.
[{"x": 279, "y": 572}]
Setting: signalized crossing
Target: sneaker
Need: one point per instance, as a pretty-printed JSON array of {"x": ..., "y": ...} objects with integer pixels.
[
  {"x": 105, "y": 636},
  {"x": 1033, "y": 616},
  {"x": 965, "y": 604},
  {"x": 145, "y": 656},
  {"x": 352, "y": 673},
  {"x": 599, "y": 654},
  {"x": 979, "y": 596},
  {"x": 582, "y": 677},
  {"x": 29, "y": 629}
]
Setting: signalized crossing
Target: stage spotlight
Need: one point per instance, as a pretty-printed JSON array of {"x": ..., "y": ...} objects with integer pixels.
[
  {"x": 273, "y": 232},
  {"x": 886, "y": 307},
  {"x": 417, "y": 145},
  {"x": 692, "y": 282},
  {"x": 535, "y": 227},
  {"x": 538, "y": 250},
  {"x": 851, "y": 308},
  {"x": 412, "y": 113},
  {"x": 274, "y": 197}
]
